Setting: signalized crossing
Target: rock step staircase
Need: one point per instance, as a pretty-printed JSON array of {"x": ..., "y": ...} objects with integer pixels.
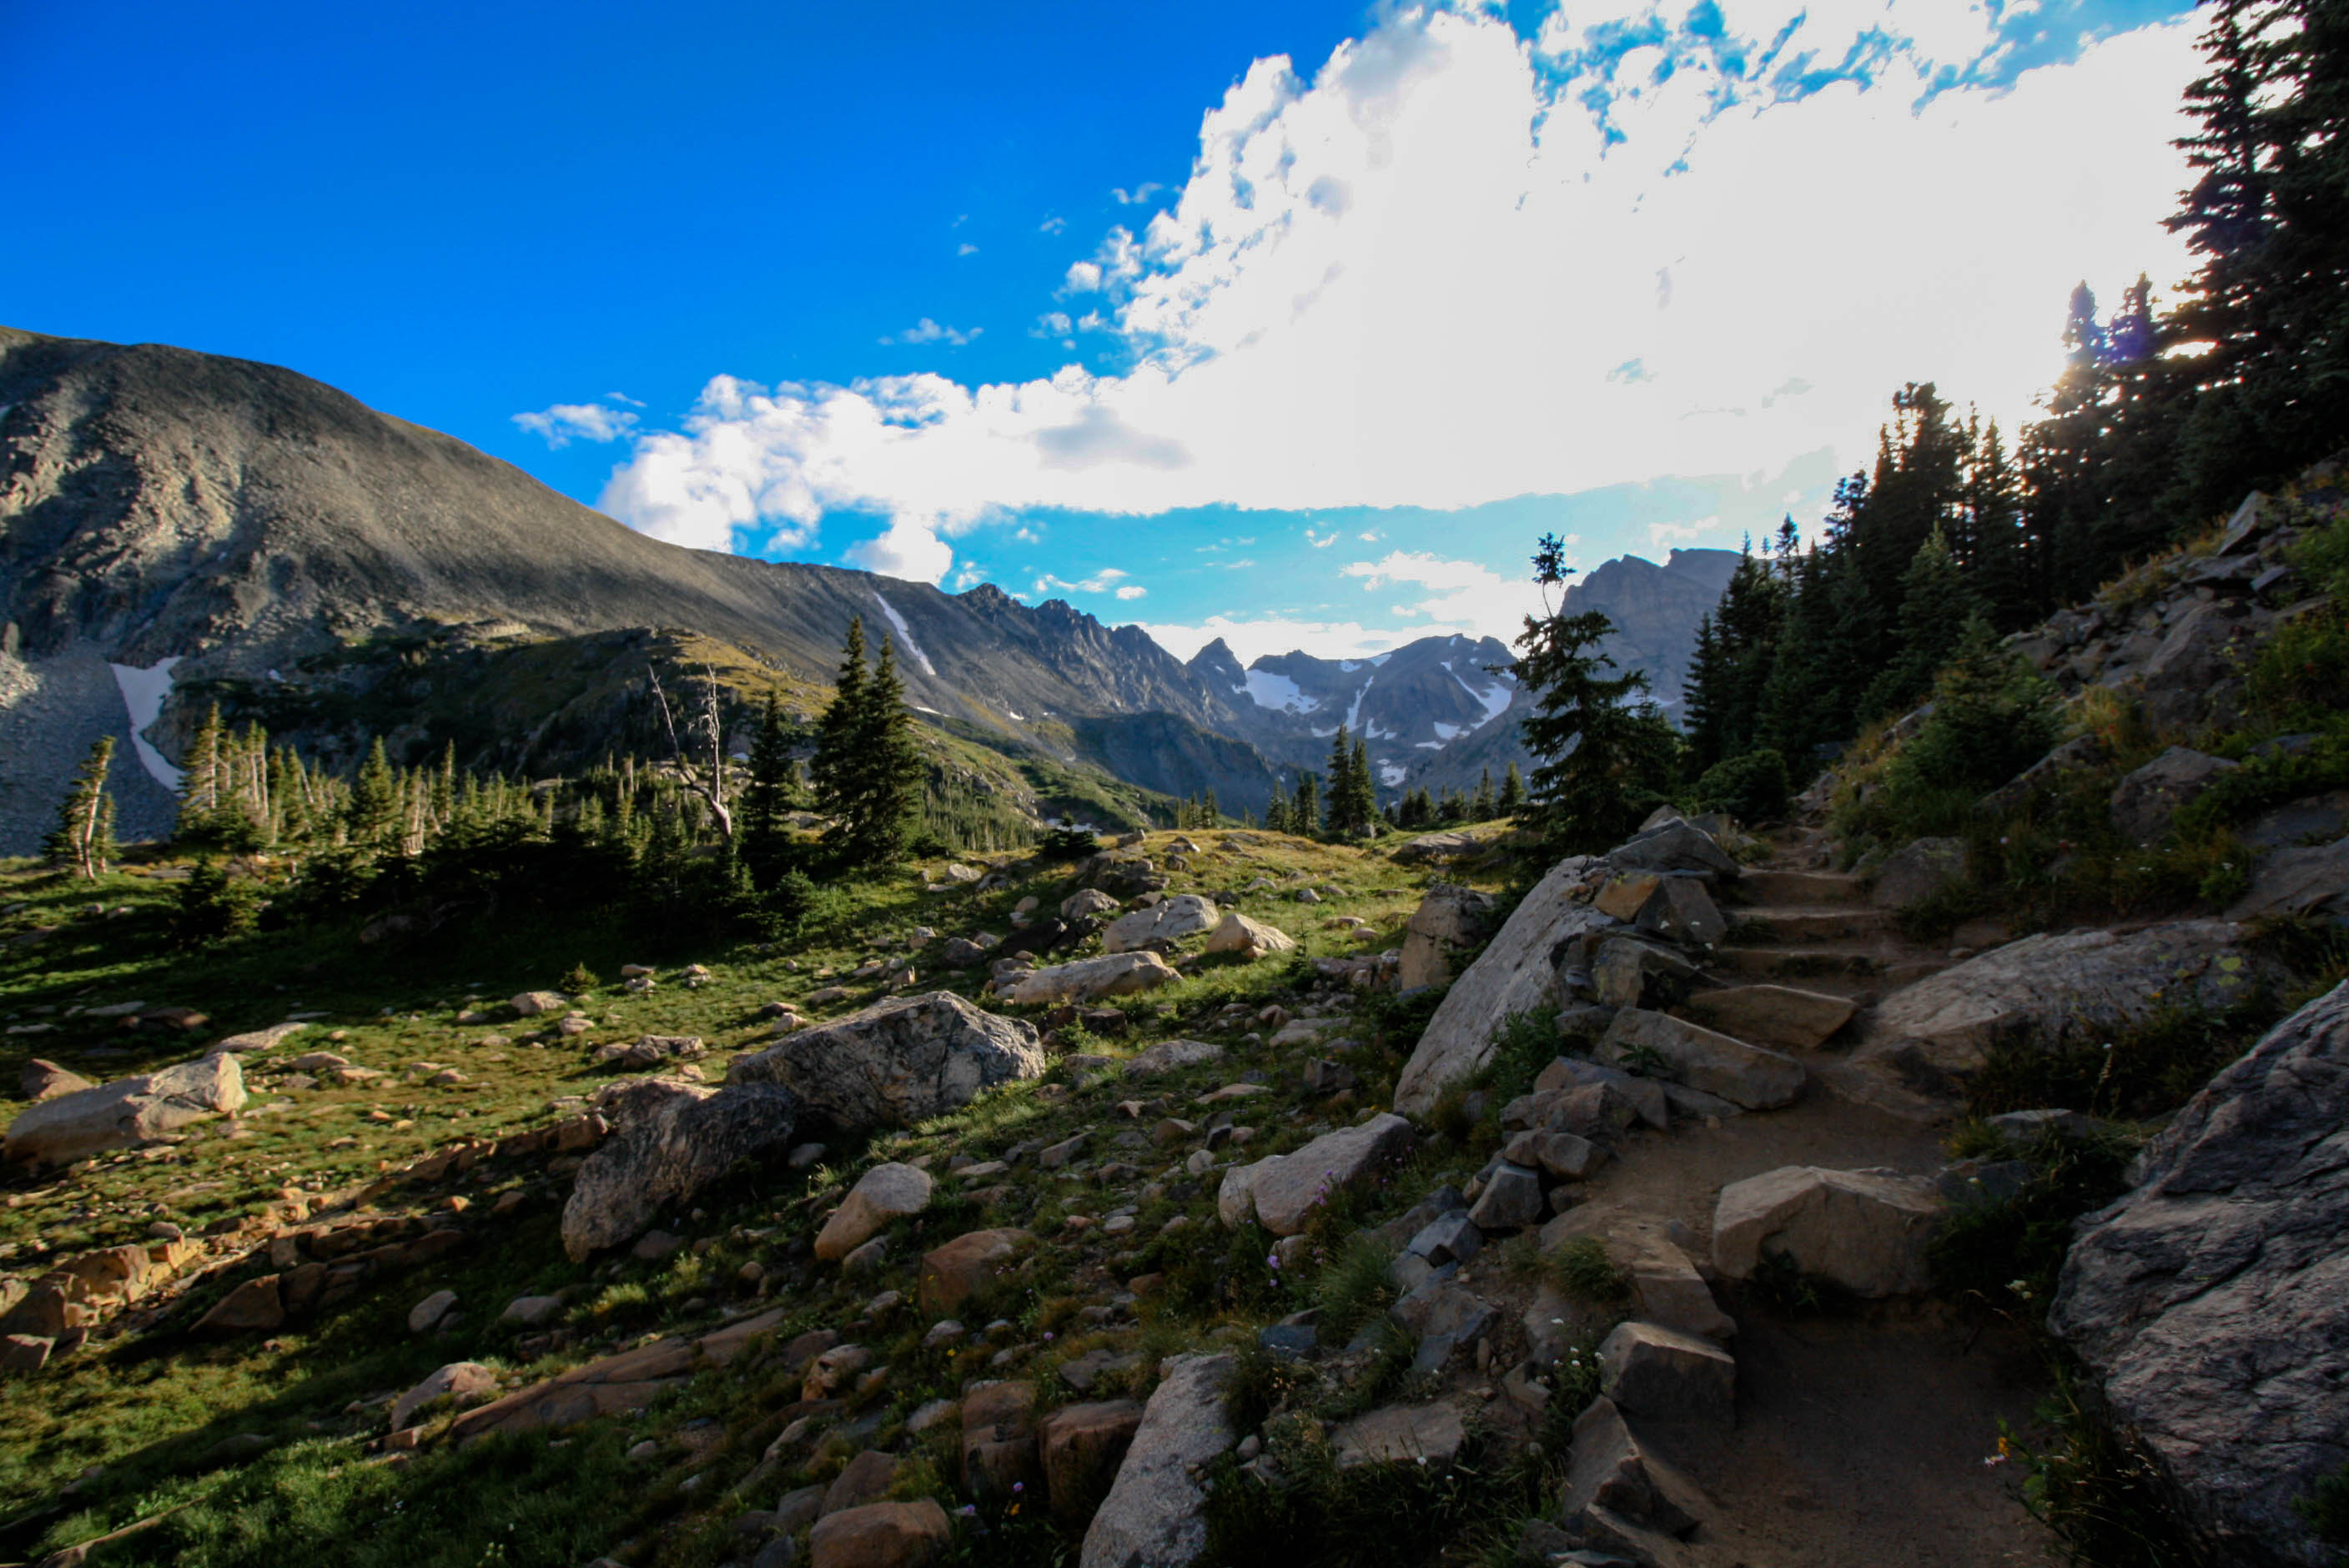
[{"x": 1816, "y": 931}]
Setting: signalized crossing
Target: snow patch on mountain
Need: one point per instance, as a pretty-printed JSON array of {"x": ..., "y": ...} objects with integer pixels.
[
  {"x": 1267, "y": 689},
  {"x": 143, "y": 692},
  {"x": 905, "y": 633}
]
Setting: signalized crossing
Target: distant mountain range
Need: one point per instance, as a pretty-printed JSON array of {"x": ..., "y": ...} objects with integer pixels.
[{"x": 176, "y": 526}]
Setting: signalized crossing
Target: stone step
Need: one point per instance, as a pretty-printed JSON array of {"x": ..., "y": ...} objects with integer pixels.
[
  {"x": 1815, "y": 965},
  {"x": 1785, "y": 887},
  {"x": 1816, "y": 925}
]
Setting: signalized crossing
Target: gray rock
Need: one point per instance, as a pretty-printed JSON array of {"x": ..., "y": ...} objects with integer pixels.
[
  {"x": 1172, "y": 1055},
  {"x": 1564, "y": 1155},
  {"x": 1664, "y": 1375},
  {"x": 1689, "y": 1054},
  {"x": 2299, "y": 881},
  {"x": 1450, "y": 1238},
  {"x": 1681, "y": 910},
  {"x": 1781, "y": 1017},
  {"x": 1441, "y": 1309},
  {"x": 47, "y": 1081},
  {"x": 882, "y": 1195},
  {"x": 1154, "y": 1514},
  {"x": 2143, "y": 802},
  {"x": 1674, "y": 846},
  {"x": 898, "y": 1062},
  {"x": 1917, "y": 872},
  {"x": 1085, "y": 901},
  {"x": 1516, "y": 973},
  {"x": 1865, "y": 1230},
  {"x": 1283, "y": 1188},
  {"x": 458, "y": 1380},
  {"x": 1401, "y": 1435},
  {"x": 1643, "y": 1098},
  {"x": 1438, "y": 847},
  {"x": 125, "y": 1112},
  {"x": 425, "y": 1315},
  {"x": 1925, "y": 1042},
  {"x": 1512, "y": 1200},
  {"x": 1611, "y": 1470},
  {"x": 2213, "y": 1302},
  {"x": 677, "y": 1140},
  {"x": 1091, "y": 979},
  {"x": 1629, "y": 970},
  {"x": 1239, "y": 934},
  {"x": 2312, "y": 819},
  {"x": 1168, "y": 920},
  {"x": 1449, "y": 917}
]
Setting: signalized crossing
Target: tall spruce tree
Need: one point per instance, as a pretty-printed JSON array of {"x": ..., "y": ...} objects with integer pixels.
[
  {"x": 872, "y": 776},
  {"x": 1513, "y": 791},
  {"x": 1305, "y": 807},
  {"x": 767, "y": 797}
]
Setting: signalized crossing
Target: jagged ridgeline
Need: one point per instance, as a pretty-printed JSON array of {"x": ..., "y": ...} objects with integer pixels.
[{"x": 185, "y": 530}]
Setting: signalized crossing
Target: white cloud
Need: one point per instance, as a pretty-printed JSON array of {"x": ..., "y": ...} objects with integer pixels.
[
  {"x": 965, "y": 248},
  {"x": 1139, "y": 194},
  {"x": 1132, "y": 591},
  {"x": 928, "y": 331},
  {"x": 1321, "y": 541},
  {"x": 1052, "y": 225},
  {"x": 907, "y": 548},
  {"x": 1252, "y": 639},
  {"x": 1099, "y": 583},
  {"x": 1466, "y": 596},
  {"x": 567, "y": 422},
  {"x": 1405, "y": 281}
]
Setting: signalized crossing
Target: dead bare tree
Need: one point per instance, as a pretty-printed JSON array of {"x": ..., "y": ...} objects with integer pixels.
[{"x": 707, "y": 780}]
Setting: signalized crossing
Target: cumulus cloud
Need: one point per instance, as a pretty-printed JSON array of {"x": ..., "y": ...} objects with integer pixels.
[
  {"x": 1132, "y": 591},
  {"x": 1406, "y": 279},
  {"x": 907, "y": 548},
  {"x": 1464, "y": 596},
  {"x": 1139, "y": 194},
  {"x": 928, "y": 331},
  {"x": 1250, "y": 639},
  {"x": 566, "y": 422}
]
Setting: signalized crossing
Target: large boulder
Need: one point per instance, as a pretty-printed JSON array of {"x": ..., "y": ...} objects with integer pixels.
[
  {"x": 125, "y": 1112},
  {"x": 1925, "y": 1042},
  {"x": 1613, "y": 1476},
  {"x": 1664, "y": 1375},
  {"x": 1917, "y": 872},
  {"x": 1449, "y": 917},
  {"x": 1517, "y": 973},
  {"x": 1865, "y": 1230},
  {"x": 1438, "y": 847},
  {"x": 1673, "y": 846},
  {"x": 1239, "y": 934},
  {"x": 2143, "y": 802},
  {"x": 881, "y": 1535},
  {"x": 1081, "y": 1447},
  {"x": 1782, "y": 1017},
  {"x": 898, "y": 1062},
  {"x": 2213, "y": 1302},
  {"x": 675, "y": 1139},
  {"x": 1090, "y": 979},
  {"x": 1429, "y": 1434},
  {"x": 1283, "y": 1188},
  {"x": 47, "y": 1081},
  {"x": 1154, "y": 1515},
  {"x": 886, "y": 1192},
  {"x": 1696, "y": 1057},
  {"x": 951, "y": 1274},
  {"x": 1167, "y": 920}
]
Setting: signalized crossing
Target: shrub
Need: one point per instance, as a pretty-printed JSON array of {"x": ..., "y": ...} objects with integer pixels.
[
  {"x": 1582, "y": 1269},
  {"x": 210, "y": 906},
  {"x": 1067, "y": 843},
  {"x": 2098, "y": 1489},
  {"x": 1753, "y": 787}
]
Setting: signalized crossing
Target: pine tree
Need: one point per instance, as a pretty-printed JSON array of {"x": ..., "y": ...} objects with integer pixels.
[
  {"x": 767, "y": 797},
  {"x": 1936, "y": 604},
  {"x": 1305, "y": 808},
  {"x": 374, "y": 813},
  {"x": 200, "y": 781},
  {"x": 834, "y": 770},
  {"x": 1363, "y": 800},
  {"x": 1604, "y": 753},
  {"x": 876, "y": 815},
  {"x": 1276, "y": 810},
  {"x": 1481, "y": 809},
  {"x": 1339, "y": 809},
  {"x": 1512, "y": 792},
  {"x": 84, "y": 836}
]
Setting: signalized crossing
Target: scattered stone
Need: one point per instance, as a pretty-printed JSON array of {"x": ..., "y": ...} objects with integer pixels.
[
  {"x": 460, "y": 1381},
  {"x": 1081, "y": 1446},
  {"x": 1562, "y": 1154},
  {"x": 1516, "y": 973},
  {"x": 951, "y": 1274},
  {"x": 253, "y": 1308},
  {"x": 1867, "y": 1231},
  {"x": 530, "y": 1003},
  {"x": 1154, "y": 1514},
  {"x": 1283, "y": 1188},
  {"x": 998, "y": 1439},
  {"x": 1091, "y": 979},
  {"x": 1086, "y": 902},
  {"x": 1631, "y": 968},
  {"x": 1780, "y": 1017},
  {"x": 882, "y": 1195},
  {"x": 1664, "y": 1375},
  {"x": 1512, "y": 1200},
  {"x": 1165, "y": 922},
  {"x": 425, "y": 1315},
  {"x": 1689, "y": 1054},
  {"x": 1401, "y": 1434},
  {"x": 1612, "y": 1474},
  {"x": 47, "y": 1081},
  {"x": 1239, "y": 933},
  {"x": 259, "y": 1040},
  {"x": 677, "y": 1139},
  {"x": 881, "y": 1534},
  {"x": 899, "y": 1062},
  {"x": 531, "y": 1310},
  {"x": 129, "y": 1111},
  {"x": 865, "y": 1479}
]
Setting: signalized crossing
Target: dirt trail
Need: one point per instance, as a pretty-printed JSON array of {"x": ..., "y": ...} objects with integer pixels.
[{"x": 1860, "y": 1438}]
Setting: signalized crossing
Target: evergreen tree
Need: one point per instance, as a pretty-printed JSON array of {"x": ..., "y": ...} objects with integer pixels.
[
  {"x": 200, "y": 781},
  {"x": 373, "y": 817},
  {"x": 1276, "y": 810},
  {"x": 767, "y": 797},
  {"x": 1604, "y": 753},
  {"x": 1481, "y": 809},
  {"x": 1305, "y": 807},
  {"x": 877, "y": 773},
  {"x": 1338, "y": 810},
  {"x": 1936, "y": 605},
  {"x": 1362, "y": 805},
  {"x": 84, "y": 836},
  {"x": 1513, "y": 791},
  {"x": 833, "y": 770}
]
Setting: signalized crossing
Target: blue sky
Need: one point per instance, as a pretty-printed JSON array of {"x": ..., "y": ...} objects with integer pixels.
[{"x": 1291, "y": 322}]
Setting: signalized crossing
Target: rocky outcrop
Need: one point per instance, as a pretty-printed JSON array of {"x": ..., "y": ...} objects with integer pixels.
[
  {"x": 2213, "y": 1302},
  {"x": 2309, "y": 881},
  {"x": 1283, "y": 1188},
  {"x": 2145, "y": 800},
  {"x": 1154, "y": 1514},
  {"x": 1697, "y": 1058},
  {"x": 1517, "y": 973},
  {"x": 2042, "y": 993},
  {"x": 1782, "y": 1017},
  {"x": 897, "y": 1062},
  {"x": 676, "y": 1139},
  {"x": 125, "y": 1112},
  {"x": 1917, "y": 872},
  {"x": 1449, "y": 917},
  {"x": 1865, "y": 1231}
]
